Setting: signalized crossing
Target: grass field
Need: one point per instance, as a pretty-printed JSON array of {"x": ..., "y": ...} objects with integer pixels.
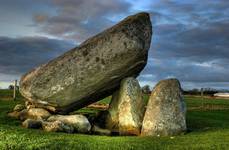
[{"x": 207, "y": 120}]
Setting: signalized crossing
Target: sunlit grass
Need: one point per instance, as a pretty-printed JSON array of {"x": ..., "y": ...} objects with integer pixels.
[{"x": 207, "y": 129}]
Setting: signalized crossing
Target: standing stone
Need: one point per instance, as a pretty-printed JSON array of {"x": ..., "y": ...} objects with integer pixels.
[
  {"x": 165, "y": 112},
  {"x": 79, "y": 122},
  {"x": 126, "y": 109},
  {"x": 93, "y": 70}
]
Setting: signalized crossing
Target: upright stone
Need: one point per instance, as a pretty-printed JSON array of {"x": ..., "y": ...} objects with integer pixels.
[
  {"x": 165, "y": 112},
  {"x": 126, "y": 109},
  {"x": 93, "y": 70}
]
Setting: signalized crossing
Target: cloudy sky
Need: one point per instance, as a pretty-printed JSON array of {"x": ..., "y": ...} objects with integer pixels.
[{"x": 190, "y": 39}]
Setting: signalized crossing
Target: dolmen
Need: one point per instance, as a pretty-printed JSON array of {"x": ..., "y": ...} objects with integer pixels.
[{"x": 105, "y": 64}]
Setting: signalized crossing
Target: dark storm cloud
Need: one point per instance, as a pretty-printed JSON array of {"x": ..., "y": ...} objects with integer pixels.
[
  {"x": 188, "y": 71},
  {"x": 190, "y": 43},
  {"x": 193, "y": 11},
  {"x": 199, "y": 43},
  {"x": 19, "y": 55},
  {"x": 80, "y": 19},
  {"x": 190, "y": 38}
]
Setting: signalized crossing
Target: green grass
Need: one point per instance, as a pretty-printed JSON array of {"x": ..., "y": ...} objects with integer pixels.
[
  {"x": 207, "y": 129},
  {"x": 8, "y": 94},
  {"x": 206, "y": 102}
]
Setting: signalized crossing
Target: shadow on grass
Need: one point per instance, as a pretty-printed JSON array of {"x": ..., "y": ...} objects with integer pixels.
[{"x": 207, "y": 120}]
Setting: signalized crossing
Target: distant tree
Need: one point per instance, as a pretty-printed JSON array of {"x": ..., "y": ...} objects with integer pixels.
[
  {"x": 206, "y": 91},
  {"x": 192, "y": 92},
  {"x": 210, "y": 91},
  {"x": 11, "y": 87},
  {"x": 146, "y": 89},
  {"x": 195, "y": 91}
]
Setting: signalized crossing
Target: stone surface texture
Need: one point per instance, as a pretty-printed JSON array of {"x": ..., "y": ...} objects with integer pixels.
[
  {"x": 57, "y": 126},
  {"x": 93, "y": 70},
  {"x": 37, "y": 113},
  {"x": 19, "y": 107},
  {"x": 31, "y": 123},
  {"x": 79, "y": 122},
  {"x": 126, "y": 110},
  {"x": 165, "y": 112},
  {"x": 21, "y": 115}
]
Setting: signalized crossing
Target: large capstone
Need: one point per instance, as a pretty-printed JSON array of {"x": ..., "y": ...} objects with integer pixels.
[
  {"x": 93, "y": 70},
  {"x": 165, "y": 112},
  {"x": 126, "y": 110}
]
